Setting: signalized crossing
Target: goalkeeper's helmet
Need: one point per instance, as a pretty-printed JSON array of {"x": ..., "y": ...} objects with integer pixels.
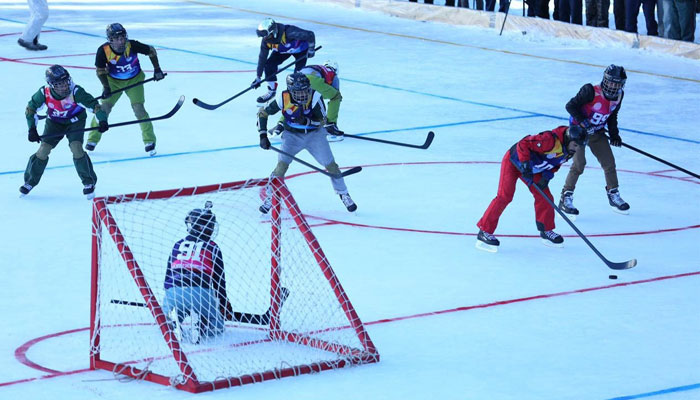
[
  {"x": 59, "y": 80},
  {"x": 267, "y": 28},
  {"x": 330, "y": 64},
  {"x": 614, "y": 79},
  {"x": 201, "y": 223},
  {"x": 299, "y": 87}
]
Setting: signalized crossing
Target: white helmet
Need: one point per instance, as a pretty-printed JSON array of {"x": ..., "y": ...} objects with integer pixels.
[{"x": 332, "y": 65}]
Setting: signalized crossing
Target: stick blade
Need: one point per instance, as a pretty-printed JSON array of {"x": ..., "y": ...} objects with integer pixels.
[
  {"x": 623, "y": 265},
  {"x": 351, "y": 171},
  {"x": 428, "y": 140},
  {"x": 203, "y": 105}
]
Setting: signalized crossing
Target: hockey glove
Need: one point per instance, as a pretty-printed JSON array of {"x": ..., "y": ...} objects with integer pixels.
[
  {"x": 526, "y": 170},
  {"x": 277, "y": 130},
  {"x": 103, "y": 127},
  {"x": 615, "y": 140},
  {"x": 586, "y": 124},
  {"x": 310, "y": 53},
  {"x": 158, "y": 74},
  {"x": 106, "y": 92},
  {"x": 264, "y": 141},
  {"x": 34, "y": 135},
  {"x": 256, "y": 83}
]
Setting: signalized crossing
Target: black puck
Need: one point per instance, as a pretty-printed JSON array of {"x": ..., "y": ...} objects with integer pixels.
[{"x": 612, "y": 276}]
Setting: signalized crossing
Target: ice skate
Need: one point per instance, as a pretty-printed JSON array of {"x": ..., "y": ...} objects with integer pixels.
[
  {"x": 618, "y": 205},
  {"x": 266, "y": 205},
  {"x": 347, "y": 201},
  {"x": 566, "y": 205},
  {"x": 334, "y": 134},
  {"x": 487, "y": 242},
  {"x": 25, "y": 189},
  {"x": 552, "y": 239},
  {"x": 90, "y": 146},
  {"x": 89, "y": 191},
  {"x": 151, "y": 149},
  {"x": 267, "y": 96}
]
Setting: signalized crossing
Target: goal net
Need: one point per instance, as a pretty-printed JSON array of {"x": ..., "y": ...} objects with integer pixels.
[{"x": 193, "y": 288}]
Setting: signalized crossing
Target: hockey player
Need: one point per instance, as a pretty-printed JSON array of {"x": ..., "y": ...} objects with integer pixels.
[
  {"x": 66, "y": 103},
  {"x": 324, "y": 80},
  {"x": 118, "y": 66},
  {"x": 534, "y": 159},
  {"x": 39, "y": 13},
  {"x": 303, "y": 112},
  {"x": 593, "y": 108},
  {"x": 195, "y": 282},
  {"x": 283, "y": 41}
]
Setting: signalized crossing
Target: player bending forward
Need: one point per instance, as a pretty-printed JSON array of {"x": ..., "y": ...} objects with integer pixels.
[
  {"x": 534, "y": 159},
  {"x": 303, "y": 112}
]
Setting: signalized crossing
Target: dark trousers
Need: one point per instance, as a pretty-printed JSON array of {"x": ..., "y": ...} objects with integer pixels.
[
  {"x": 632, "y": 11},
  {"x": 276, "y": 59},
  {"x": 538, "y": 8},
  {"x": 491, "y": 5},
  {"x": 597, "y": 13},
  {"x": 619, "y": 13},
  {"x": 571, "y": 11}
]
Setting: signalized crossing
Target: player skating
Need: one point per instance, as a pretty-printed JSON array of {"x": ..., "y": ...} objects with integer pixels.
[
  {"x": 594, "y": 108},
  {"x": 66, "y": 105},
  {"x": 118, "y": 66},
  {"x": 304, "y": 113},
  {"x": 534, "y": 159}
]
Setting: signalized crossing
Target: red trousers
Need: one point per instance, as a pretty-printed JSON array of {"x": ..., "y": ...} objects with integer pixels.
[{"x": 544, "y": 213}]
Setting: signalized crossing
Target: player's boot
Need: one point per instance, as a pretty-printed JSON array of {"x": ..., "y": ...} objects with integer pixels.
[
  {"x": 267, "y": 96},
  {"x": 90, "y": 146},
  {"x": 39, "y": 45},
  {"x": 151, "y": 149},
  {"x": 552, "y": 239},
  {"x": 487, "y": 242},
  {"x": 25, "y": 189},
  {"x": 266, "y": 205},
  {"x": 89, "y": 191},
  {"x": 566, "y": 204},
  {"x": 347, "y": 201},
  {"x": 334, "y": 134},
  {"x": 618, "y": 205},
  {"x": 30, "y": 45}
]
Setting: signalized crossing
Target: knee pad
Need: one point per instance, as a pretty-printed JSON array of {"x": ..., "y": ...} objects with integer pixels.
[
  {"x": 333, "y": 168},
  {"x": 76, "y": 148},
  {"x": 44, "y": 150},
  {"x": 139, "y": 111},
  {"x": 280, "y": 169}
]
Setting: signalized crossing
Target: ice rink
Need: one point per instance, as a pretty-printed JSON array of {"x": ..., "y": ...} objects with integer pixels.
[{"x": 450, "y": 321}]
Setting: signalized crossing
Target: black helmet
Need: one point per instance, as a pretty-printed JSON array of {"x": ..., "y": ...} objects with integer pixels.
[
  {"x": 59, "y": 80},
  {"x": 577, "y": 134},
  {"x": 299, "y": 87},
  {"x": 201, "y": 222},
  {"x": 614, "y": 79},
  {"x": 267, "y": 28},
  {"x": 116, "y": 31}
]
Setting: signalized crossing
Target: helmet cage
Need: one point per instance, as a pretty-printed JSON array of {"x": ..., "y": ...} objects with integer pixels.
[
  {"x": 614, "y": 79},
  {"x": 202, "y": 223},
  {"x": 117, "y": 37},
  {"x": 299, "y": 87},
  {"x": 59, "y": 80}
]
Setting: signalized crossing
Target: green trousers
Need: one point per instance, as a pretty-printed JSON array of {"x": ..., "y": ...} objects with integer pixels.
[{"x": 136, "y": 97}]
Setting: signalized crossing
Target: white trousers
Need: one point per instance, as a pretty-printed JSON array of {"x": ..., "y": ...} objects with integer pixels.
[{"x": 39, "y": 12}]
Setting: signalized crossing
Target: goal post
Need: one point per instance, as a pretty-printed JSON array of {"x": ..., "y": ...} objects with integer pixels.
[{"x": 290, "y": 316}]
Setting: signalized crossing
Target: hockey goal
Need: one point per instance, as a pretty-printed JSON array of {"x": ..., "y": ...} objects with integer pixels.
[{"x": 290, "y": 315}]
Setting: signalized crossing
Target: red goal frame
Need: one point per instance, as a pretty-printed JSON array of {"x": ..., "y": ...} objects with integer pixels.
[{"x": 102, "y": 219}]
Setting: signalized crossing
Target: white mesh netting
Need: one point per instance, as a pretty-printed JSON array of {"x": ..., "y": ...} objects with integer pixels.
[{"x": 313, "y": 326}]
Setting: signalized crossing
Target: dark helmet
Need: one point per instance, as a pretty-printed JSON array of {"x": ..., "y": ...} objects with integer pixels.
[
  {"x": 59, "y": 80},
  {"x": 577, "y": 134},
  {"x": 201, "y": 222},
  {"x": 116, "y": 31},
  {"x": 299, "y": 87},
  {"x": 614, "y": 79},
  {"x": 267, "y": 28}
]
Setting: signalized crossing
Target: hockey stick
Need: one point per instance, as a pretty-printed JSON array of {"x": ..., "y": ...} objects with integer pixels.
[
  {"x": 612, "y": 265},
  {"x": 246, "y": 318},
  {"x": 661, "y": 160},
  {"x": 120, "y": 90},
  {"x": 137, "y": 121},
  {"x": 506, "y": 17},
  {"x": 351, "y": 171},
  {"x": 428, "y": 141},
  {"x": 206, "y": 106}
]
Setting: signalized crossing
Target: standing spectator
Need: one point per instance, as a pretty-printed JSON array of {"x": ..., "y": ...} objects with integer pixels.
[
  {"x": 502, "y": 5},
  {"x": 571, "y": 11},
  {"x": 117, "y": 66},
  {"x": 538, "y": 8},
  {"x": 425, "y": 1},
  {"x": 594, "y": 108},
  {"x": 284, "y": 41},
  {"x": 38, "y": 14},
  {"x": 597, "y": 13},
  {"x": 534, "y": 159},
  {"x": 679, "y": 19},
  {"x": 619, "y": 13},
  {"x": 660, "y": 18},
  {"x": 632, "y": 11},
  {"x": 67, "y": 104}
]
